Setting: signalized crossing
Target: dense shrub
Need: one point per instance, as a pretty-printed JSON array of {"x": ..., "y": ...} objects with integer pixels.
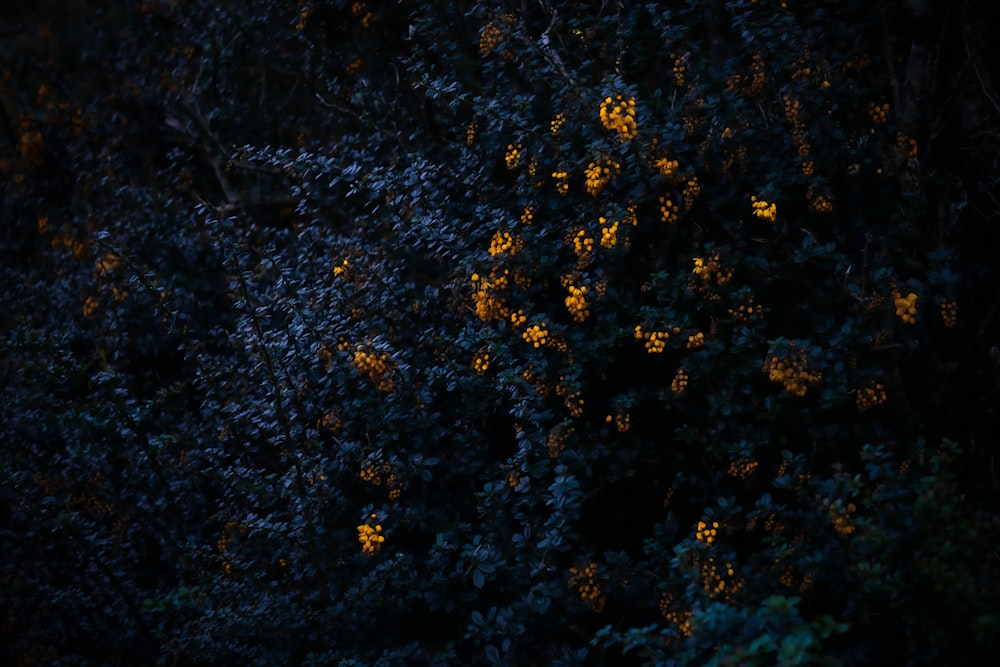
[{"x": 521, "y": 333}]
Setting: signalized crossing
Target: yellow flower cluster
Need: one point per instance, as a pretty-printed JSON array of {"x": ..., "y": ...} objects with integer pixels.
[
  {"x": 666, "y": 166},
  {"x": 763, "y": 210},
  {"x": 871, "y": 396},
  {"x": 879, "y": 113},
  {"x": 557, "y": 123},
  {"x": 528, "y": 215},
  {"x": 680, "y": 70},
  {"x": 618, "y": 114},
  {"x": 585, "y": 582},
  {"x": 695, "y": 341},
  {"x": 555, "y": 441},
  {"x": 90, "y": 306},
  {"x": 707, "y": 533},
  {"x": 789, "y": 369},
  {"x": 840, "y": 517},
  {"x": 518, "y": 319},
  {"x": 680, "y": 382},
  {"x": 489, "y": 305},
  {"x": 609, "y": 233},
  {"x": 692, "y": 188},
  {"x": 682, "y": 619},
  {"x": 576, "y": 303},
  {"x": 749, "y": 85},
  {"x": 907, "y": 146},
  {"x": 377, "y": 474},
  {"x": 342, "y": 268},
  {"x": 743, "y": 468},
  {"x": 377, "y": 366},
  {"x": 906, "y": 307},
  {"x": 359, "y": 9},
  {"x": 470, "y": 132},
  {"x": 504, "y": 243},
  {"x": 481, "y": 362},
  {"x": 668, "y": 209},
  {"x": 370, "y": 536},
  {"x": 490, "y": 38},
  {"x": 330, "y": 422},
  {"x": 949, "y": 313},
  {"x": 583, "y": 245},
  {"x": 714, "y": 578},
  {"x": 792, "y": 108},
  {"x": 746, "y": 311},
  {"x": 562, "y": 182},
  {"x": 621, "y": 420},
  {"x": 711, "y": 270},
  {"x": 599, "y": 173},
  {"x": 536, "y": 334},
  {"x": 513, "y": 156},
  {"x": 819, "y": 203},
  {"x": 656, "y": 341},
  {"x": 107, "y": 264},
  {"x": 572, "y": 398}
]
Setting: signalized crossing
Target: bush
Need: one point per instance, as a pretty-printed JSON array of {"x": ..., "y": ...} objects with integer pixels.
[{"x": 415, "y": 333}]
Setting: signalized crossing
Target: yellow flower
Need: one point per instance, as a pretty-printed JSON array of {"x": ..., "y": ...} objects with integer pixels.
[{"x": 763, "y": 210}]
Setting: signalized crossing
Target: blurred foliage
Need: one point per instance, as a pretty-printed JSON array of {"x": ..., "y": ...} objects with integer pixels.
[{"x": 555, "y": 333}]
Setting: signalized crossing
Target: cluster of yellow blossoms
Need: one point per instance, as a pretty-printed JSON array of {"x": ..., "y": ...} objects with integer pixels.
[
  {"x": 906, "y": 307},
  {"x": 840, "y": 517},
  {"x": 714, "y": 578},
  {"x": 513, "y": 156},
  {"x": 871, "y": 396},
  {"x": 585, "y": 582},
  {"x": 819, "y": 203},
  {"x": 747, "y": 311},
  {"x": 763, "y": 210},
  {"x": 680, "y": 70},
  {"x": 490, "y": 306},
  {"x": 695, "y": 341},
  {"x": 360, "y": 10},
  {"x": 481, "y": 363},
  {"x": 879, "y": 113},
  {"x": 792, "y": 107},
  {"x": 668, "y": 209},
  {"x": 707, "y": 532},
  {"x": 370, "y": 536},
  {"x": 536, "y": 334},
  {"x": 789, "y": 368},
  {"x": 682, "y": 619},
  {"x": 692, "y": 188},
  {"x": 621, "y": 420},
  {"x": 504, "y": 243},
  {"x": 377, "y": 474},
  {"x": 609, "y": 233},
  {"x": 743, "y": 468},
  {"x": 528, "y": 215},
  {"x": 599, "y": 173},
  {"x": 576, "y": 303},
  {"x": 680, "y": 382},
  {"x": 377, "y": 366},
  {"x": 583, "y": 245},
  {"x": 949, "y": 313},
  {"x": 665, "y": 166},
  {"x": 618, "y": 114},
  {"x": 490, "y": 38},
  {"x": 711, "y": 270},
  {"x": 555, "y": 441},
  {"x": 557, "y": 123},
  {"x": 562, "y": 181},
  {"x": 656, "y": 341}
]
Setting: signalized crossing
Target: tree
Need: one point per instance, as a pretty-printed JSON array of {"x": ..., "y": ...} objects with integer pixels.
[{"x": 520, "y": 333}]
